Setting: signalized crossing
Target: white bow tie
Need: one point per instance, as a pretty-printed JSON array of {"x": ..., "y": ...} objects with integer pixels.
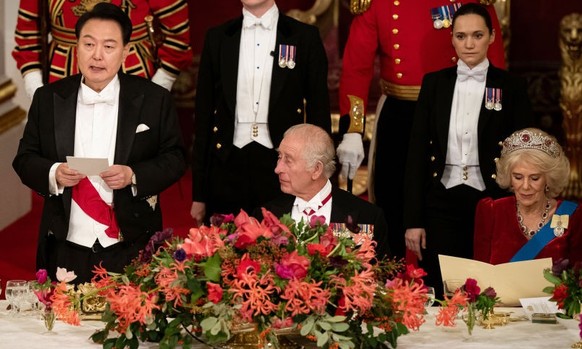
[
  {"x": 94, "y": 98},
  {"x": 251, "y": 23},
  {"x": 464, "y": 74}
]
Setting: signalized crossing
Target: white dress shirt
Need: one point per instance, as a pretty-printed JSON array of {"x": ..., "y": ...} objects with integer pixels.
[
  {"x": 462, "y": 161},
  {"x": 257, "y": 44},
  {"x": 95, "y": 137},
  {"x": 301, "y": 208}
]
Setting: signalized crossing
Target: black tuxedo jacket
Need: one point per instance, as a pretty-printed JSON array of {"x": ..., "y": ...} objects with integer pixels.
[
  {"x": 344, "y": 204},
  {"x": 429, "y": 137},
  {"x": 156, "y": 156},
  {"x": 297, "y": 95}
]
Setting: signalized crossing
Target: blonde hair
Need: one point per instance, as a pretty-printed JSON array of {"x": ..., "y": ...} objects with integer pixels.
[{"x": 554, "y": 169}]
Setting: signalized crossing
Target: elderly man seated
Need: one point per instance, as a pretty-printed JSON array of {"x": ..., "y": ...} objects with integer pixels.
[{"x": 305, "y": 164}]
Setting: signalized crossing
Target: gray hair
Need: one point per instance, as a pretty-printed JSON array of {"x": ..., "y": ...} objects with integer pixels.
[
  {"x": 317, "y": 146},
  {"x": 555, "y": 169}
]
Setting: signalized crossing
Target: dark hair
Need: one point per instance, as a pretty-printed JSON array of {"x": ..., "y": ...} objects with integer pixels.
[
  {"x": 107, "y": 11},
  {"x": 474, "y": 9}
]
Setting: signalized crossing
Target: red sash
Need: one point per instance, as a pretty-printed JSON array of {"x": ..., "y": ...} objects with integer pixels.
[{"x": 89, "y": 200}]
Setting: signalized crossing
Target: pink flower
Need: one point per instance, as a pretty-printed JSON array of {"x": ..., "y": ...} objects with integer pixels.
[
  {"x": 65, "y": 276},
  {"x": 203, "y": 242},
  {"x": 214, "y": 292},
  {"x": 41, "y": 276},
  {"x": 249, "y": 230},
  {"x": 316, "y": 220},
  {"x": 292, "y": 266}
]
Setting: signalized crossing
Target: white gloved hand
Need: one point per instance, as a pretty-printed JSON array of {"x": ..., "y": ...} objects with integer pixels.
[
  {"x": 164, "y": 79},
  {"x": 32, "y": 81},
  {"x": 350, "y": 154}
]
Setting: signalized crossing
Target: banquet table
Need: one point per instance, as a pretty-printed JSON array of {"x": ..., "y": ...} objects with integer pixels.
[{"x": 28, "y": 332}]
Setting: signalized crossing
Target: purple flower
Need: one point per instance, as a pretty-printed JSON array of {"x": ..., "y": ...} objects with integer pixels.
[
  {"x": 351, "y": 225},
  {"x": 219, "y": 219},
  {"x": 157, "y": 240},
  {"x": 559, "y": 266},
  {"x": 180, "y": 255},
  {"x": 490, "y": 292}
]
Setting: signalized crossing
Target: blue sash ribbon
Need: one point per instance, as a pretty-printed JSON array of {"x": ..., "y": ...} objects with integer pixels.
[{"x": 531, "y": 249}]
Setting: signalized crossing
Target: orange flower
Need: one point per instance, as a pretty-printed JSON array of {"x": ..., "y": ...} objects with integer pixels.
[
  {"x": 249, "y": 230},
  {"x": 169, "y": 283},
  {"x": 131, "y": 305},
  {"x": 448, "y": 312},
  {"x": 64, "y": 304},
  {"x": 203, "y": 242},
  {"x": 358, "y": 291},
  {"x": 254, "y": 294},
  {"x": 304, "y": 297},
  {"x": 408, "y": 300}
]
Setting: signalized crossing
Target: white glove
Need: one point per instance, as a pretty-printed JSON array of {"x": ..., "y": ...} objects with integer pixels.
[
  {"x": 164, "y": 79},
  {"x": 350, "y": 154},
  {"x": 32, "y": 81}
]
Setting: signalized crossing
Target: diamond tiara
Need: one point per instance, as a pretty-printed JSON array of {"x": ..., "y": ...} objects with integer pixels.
[{"x": 527, "y": 139}]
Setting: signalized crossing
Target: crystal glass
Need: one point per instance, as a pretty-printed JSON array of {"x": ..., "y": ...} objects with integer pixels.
[
  {"x": 451, "y": 285},
  {"x": 31, "y": 298},
  {"x": 430, "y": 296},
  {"x": 15, "y": 292}
]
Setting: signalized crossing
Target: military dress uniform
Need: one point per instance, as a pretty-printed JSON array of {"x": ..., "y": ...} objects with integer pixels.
[
  {"x": 405, "y": 36},
  {"x": 174, "y": 53}
]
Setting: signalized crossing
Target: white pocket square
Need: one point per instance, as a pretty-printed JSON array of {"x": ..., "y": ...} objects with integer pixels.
[{"x": 141, "y": 128}]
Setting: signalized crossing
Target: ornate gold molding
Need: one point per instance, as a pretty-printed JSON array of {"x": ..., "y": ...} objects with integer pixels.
[
  {"x": 7, "y": 91},
  {"x": 11, "y": 119},
  {"x": 310, "y": 16}
]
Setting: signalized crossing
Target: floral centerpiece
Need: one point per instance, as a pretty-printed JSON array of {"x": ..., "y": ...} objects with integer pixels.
[
  {"x": 272, "y": 275},
  {"x": 567, "y": 287},
  {"x": 469, "y": 299},
  {"x": 45, "y": 290}
]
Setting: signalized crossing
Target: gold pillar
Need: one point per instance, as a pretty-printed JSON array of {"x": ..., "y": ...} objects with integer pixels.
[{"x": 571, "y": 98}]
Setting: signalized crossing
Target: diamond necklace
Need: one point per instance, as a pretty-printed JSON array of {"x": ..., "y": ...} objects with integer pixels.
[{"x": 527, "y": 232}]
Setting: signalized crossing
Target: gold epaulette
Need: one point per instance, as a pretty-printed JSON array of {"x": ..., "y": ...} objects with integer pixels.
[
  {"x": 359, "y": 6},
  {"x": 356, "y": 114},
  {"x": 487, "y": 2}
]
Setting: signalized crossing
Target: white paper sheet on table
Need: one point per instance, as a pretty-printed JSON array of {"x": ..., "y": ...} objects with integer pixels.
[
  {"x": 88, "y": 166},
  {"x": 511, "y": 281}
]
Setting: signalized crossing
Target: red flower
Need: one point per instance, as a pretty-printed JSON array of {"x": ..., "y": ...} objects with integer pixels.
[
  {"x": 249, "y": 230},
  {"x": 472, "y": 289},
  {"x": 560, "y": 295},
  {"x": 247, "y": 266},
  {"x": 214, "y": 292},
  {"x": 292, "y": 266}
]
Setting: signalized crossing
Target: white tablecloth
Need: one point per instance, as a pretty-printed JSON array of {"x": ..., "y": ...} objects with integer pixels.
[{"x": 29, "y": 333}]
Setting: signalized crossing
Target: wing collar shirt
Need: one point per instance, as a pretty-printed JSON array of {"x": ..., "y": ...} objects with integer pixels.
[
  {"x": 462, "y": 161},
  {"x": 257, "y": 45},
  {"x": 319, "y": 205},
  {"x": 95, "y": 137}
]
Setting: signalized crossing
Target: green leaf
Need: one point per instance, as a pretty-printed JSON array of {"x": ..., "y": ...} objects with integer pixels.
[
  {"x": 212, "y": 268},
  {"x": 551, "y": 277},
  {"x": 324, "y": 325},
  {"x": 340, "y": 327},
  {"x": 322, "y": 339}
]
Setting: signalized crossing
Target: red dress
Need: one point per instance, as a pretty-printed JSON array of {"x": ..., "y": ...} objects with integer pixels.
[
  {"x": 498, "y": 236},
  {"x": 174, "y": 53}
]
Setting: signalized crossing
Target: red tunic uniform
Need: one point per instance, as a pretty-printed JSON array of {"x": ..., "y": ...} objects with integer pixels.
[
  {"x": 174, "y": 54},
  {"x": 401, "y": 32}
]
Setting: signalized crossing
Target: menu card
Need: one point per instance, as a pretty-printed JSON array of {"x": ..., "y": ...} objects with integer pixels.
[{"x": 511, "y": 281}]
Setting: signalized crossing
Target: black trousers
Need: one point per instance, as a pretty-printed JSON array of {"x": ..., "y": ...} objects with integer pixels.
[
  {"x": 245, "y": 181},
  {"x": 450, "y": 217},
  {"x": 82, "y": 260},
  {"x": 392, "y": 138}
]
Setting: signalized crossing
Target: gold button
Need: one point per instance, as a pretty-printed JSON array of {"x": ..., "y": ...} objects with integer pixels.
[
  {"x": 500, "y": 143},
  {"x": 434, "y": 174},
  {"x": 496, "y": 159},
  {"x": 298, "y": 110},
  {"x": 215, "y": 129},
  {"x": 452, "y": 0},
  {"x": 215, "y": 111},
  {"x": 218, "y": 145},
  {"x": 432, "y": 158},
  {"x": 396, "y": 3},
  {"x": 396, "y": 46},
  {"x": 430, "y": 142},
  {"x": 395, "y": 16},
  {"x": 397, "y": 61},
  {"x": 394, "y": 31},
  {"x": 494, "y": 176},
  {"x": 399, "y": 75}
]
